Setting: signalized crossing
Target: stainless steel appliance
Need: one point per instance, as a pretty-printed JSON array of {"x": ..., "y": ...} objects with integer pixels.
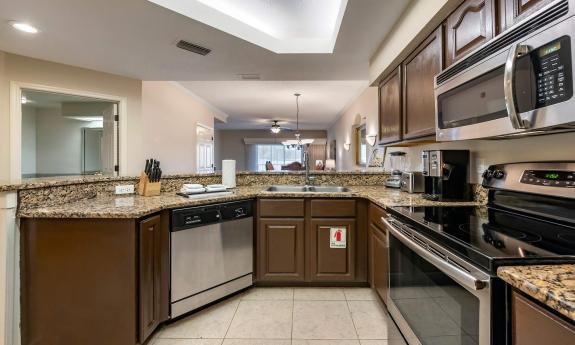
[
  {"x": 211, "y": 254},
  {"x": 412, "y": 182},
  {"x": 443, "y": 260},
  {"x": 398, "y": 165},
  {"x": 519, "y": 83},
  {"x": 446, "y": 175}
]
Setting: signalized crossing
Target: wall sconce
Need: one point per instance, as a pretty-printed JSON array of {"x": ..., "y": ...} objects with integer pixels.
[
  {"x": 370, "y": 139},
  {"x": 347, "y": 146}
]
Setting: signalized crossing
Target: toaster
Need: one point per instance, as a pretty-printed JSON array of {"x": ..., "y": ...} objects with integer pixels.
[{"x": 412, "y": 182}]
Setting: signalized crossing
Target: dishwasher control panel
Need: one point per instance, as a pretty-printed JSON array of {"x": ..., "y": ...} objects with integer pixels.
[{"x": 191, "y": 217}]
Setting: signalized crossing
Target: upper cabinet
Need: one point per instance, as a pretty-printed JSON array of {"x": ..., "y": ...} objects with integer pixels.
[
  {"x": 419, "y": 71},
  {"x": 516, "y": 10},
  {"x": 390, "y": 108},
  {"x": 469, "y": 26}
]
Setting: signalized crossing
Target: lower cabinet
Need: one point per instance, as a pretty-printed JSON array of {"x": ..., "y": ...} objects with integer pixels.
[
  {"x": 379, "y": 262},
  {"x": 332, "y": 260},
  {"x": 532, "y": 324},
  {"x": 150, "y": 255},
  {"x": 281, "y": 250},
  {"x": 322, "y": 242},
  {"x": 93, "y": 281}
]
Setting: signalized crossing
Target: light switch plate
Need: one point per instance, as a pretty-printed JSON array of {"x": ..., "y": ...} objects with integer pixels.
[{"x": 125, "y": 189}]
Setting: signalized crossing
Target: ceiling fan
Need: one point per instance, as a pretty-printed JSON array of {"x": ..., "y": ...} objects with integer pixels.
[{"x": 276, "y": 127}]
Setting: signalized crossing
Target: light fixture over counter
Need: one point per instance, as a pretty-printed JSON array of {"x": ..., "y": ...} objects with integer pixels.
[{"x": 297, "y": 142}]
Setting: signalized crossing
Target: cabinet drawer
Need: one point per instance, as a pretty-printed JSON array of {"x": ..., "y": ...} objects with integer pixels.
[
  {"x": 332, "y": 208},
  {"x": 375, "y": 215},
  {"x": 282, "y": 208}
]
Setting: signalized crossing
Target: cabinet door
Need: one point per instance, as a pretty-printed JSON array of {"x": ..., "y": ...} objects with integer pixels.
[
  {"x": 150, "y": 275},
  {"x": 380, "y": 262},
  {"x": 281, "y": 250},
  {"x": 516, "y": 10},
  {"x": 418, "y": 87},
  {"x": 534, "y": 325},
  {"x": 332, "y": 261},
  {"x": 469, "y": 26},
  {"x": 390, "y": 108}
]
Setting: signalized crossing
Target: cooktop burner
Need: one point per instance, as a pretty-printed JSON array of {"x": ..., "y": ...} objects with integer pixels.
[{"x": 491, "y": 237}]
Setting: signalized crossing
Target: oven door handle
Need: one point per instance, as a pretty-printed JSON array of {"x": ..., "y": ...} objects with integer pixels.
[
  {"x": 463, "y": 277},
  {"x": 516, "y": 51}
]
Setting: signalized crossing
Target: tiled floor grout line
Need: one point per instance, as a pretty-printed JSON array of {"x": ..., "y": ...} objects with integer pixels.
[
  {"x": 352, "y": 321},
  {"x": 232, "y": 320}
]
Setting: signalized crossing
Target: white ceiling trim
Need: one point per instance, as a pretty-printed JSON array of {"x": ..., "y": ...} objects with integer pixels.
[{"x": 253, "y": 29}]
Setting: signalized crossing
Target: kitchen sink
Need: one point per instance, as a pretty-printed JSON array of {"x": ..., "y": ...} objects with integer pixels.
[{"x": 307, "y": 189}]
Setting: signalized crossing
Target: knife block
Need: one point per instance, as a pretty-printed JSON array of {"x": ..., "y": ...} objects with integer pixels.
[{"x": 147, "y": 188}]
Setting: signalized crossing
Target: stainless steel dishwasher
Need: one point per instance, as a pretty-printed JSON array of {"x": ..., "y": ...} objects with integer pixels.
[{"x": 211, "y": 254}]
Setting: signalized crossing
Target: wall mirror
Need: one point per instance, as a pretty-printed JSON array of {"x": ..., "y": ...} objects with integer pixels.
[
  {"x": 360, "y": 133},
  {"x": 65, "y": 134}
]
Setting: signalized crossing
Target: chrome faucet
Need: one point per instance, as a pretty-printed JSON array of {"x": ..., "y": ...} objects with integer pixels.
[{"x": 308, "y": 179}]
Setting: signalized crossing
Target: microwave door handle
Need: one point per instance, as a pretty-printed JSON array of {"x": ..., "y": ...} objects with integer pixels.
[
  {"x": 516, "y": 51},
  {"x": 463, "y": 277}
]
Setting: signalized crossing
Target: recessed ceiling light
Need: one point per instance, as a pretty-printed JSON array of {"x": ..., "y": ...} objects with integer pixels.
[{"x": 24, "y": 27}]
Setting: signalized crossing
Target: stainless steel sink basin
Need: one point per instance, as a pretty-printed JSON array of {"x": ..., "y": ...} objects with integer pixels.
[{"x": 307, "y": 189}]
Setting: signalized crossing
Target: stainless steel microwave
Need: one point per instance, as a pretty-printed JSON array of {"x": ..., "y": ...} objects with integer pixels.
[{"x": 519, "y": 83}]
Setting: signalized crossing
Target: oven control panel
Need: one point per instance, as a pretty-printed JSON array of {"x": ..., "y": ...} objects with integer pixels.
[
  {"x": 550, "y": 178},
  {"x": 552, "y": 63}
]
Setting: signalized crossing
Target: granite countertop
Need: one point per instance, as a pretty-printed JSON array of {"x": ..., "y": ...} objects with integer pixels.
[
  {"x": 136, "y": 206},
  {"x": 553, "y": 285},
  {"x": 43, "y": 182}
]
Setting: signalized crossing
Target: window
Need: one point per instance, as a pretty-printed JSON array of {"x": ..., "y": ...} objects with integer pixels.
[
  {"x": 278, "y": 155},
  {"x": 205, "y": 146}
]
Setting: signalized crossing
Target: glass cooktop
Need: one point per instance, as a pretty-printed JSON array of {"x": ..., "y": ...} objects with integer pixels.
[{"x": 491, "y": 237}]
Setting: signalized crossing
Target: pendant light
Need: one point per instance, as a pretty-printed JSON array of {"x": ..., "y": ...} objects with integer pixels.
[{"x": 298, "y": 142}]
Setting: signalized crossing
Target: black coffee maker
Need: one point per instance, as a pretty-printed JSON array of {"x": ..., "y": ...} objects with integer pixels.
[{"x": 446, "y": 175}]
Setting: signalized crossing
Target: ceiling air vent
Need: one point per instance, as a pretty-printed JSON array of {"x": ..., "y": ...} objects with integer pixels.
[
  {"x": 249, "y": 76},
  {"x": 194, "y": 48}
]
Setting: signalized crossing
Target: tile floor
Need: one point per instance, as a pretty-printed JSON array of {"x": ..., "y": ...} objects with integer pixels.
[{"x": 287, "y": 316}]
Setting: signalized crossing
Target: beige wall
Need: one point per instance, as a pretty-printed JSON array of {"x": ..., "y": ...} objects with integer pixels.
[
  {"x": 170, "y": 115},
  {"x": 487, "y": 152},
  {"x": 419, "y": 19},
  {"x": 27, "y": 70},
  {"x": 362, "y": 110},
  {"x": 230, "y": 143}
]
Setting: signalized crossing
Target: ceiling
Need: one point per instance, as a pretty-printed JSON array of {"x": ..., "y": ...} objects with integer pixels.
[
  {"x": 282, "y": 26},
  {"x": 50, "y": 100},
  {"x": 137, "y": 38},
  {"x": 255, "y": 104}
]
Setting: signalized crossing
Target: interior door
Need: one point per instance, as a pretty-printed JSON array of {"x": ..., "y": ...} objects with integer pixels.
[{"x": 92, "y": 150}]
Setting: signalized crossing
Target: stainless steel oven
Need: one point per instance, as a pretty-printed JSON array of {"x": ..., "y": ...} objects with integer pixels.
[
  {"x": 435, "y": 297},
  {"x": 519, "y": 83}
]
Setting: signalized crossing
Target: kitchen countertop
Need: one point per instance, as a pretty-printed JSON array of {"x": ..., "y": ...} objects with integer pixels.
[
  {"x": 136, "y": 206},
  {"x": 43, "y": 182},
  {"x": 553, "y": 285}
]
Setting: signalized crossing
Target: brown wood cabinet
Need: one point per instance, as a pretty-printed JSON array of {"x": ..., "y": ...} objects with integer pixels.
[
  {"x": 150, "y": 275},
  {"x": 87, "y": 281},
  {"x": 419, "y": 71},
  {"x": 380, "y": 262},
  {"x": 535, "y": 325},
  {"x": 327, "y": 263},
  {"x": 516, "y": 10},
  {"x": 280, "y": 250},
  {"x": 297, "y": 250},
  {"x": 390, "y": 103},
  {"x": 468, "y": 27}
]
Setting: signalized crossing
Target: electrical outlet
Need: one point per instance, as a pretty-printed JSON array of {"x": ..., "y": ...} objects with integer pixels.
[{"x": 125, "y": 189}]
